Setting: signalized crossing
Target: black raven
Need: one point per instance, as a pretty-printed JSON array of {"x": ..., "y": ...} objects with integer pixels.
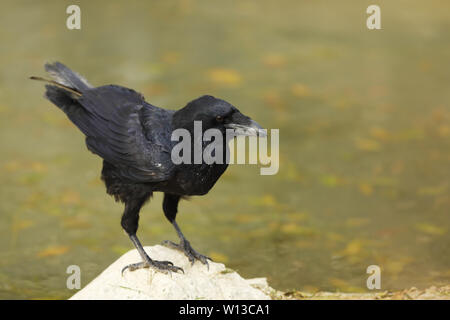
[{"x": 134, "y": 139}]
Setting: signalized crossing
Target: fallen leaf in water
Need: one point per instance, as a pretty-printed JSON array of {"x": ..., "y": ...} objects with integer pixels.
[
  {"x": 290, "y": 228},
  {"x": 398, "y": 167},
  {"x": 425, "y": 65},
  {"x": 293, "y": 228},
  {"x": 310, "y": 288},
  {"x": 368, "y": 145},
  {"x": 378, "y": 91},
  {"x": 330, "y": 180},
  {"x": 343, "y": 285},
  {"x": 53, "y": 251},
  {"x": 266, "y": 200},
  {"x": 379, "y": 133},
  {"x": 395, "y": 267},
  {"x": 291, "y": 172},
  {"x": 75, "y": 223},
  {"x": 297, "y": 216},
  {"x": 245, "y": 218},
  {"x": 272, "y": 98},
  {"x": 365, "y": 189},
  {"x": 257, "y": 233},
  {"x": 302, "y": 244},
  {"x": 12, "y": 166},
  {"x": 415, "y": 134},
  {"x": 439, "y": 114},
  {"x": 300, "y": 90},
  {"x": 339, "y": 283},
  {"x": 334, "y": 237},
  {"x": 21, "y": 225},
  {"x": 32, "y": 178},
  {"x": 170, "y": 57},
  {"x": 155, "y": 89},
  {"x": 432, "y": 191},
  {"x": 95, "y": 182},
  {"x": 357, "y": 222},
  {"x": 38, "y": 167},
  {"x": 273, "y": 60},
  {"x": 430, "y": 229},
  {"x": 442, "y": 201},
  {"x": 444, "y": 131},
  {"x": 70, "y": 197},
  {"x": 222, "y": 76},
  {"x": 354, "y": 247}
]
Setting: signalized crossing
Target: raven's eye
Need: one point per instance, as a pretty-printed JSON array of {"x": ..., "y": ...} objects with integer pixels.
[{"x": 219, "y": 119}]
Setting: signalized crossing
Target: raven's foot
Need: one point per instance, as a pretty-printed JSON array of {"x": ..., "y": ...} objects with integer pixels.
[
  {"x": 165, "y": 267},
  {"x": 185, "y": 246}
]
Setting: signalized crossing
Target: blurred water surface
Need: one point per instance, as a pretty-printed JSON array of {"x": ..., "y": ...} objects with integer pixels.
[{"x": 364, "y": 121}]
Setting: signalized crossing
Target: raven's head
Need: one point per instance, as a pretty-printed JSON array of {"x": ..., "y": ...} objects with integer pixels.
[{"x": 218, "y": 114}]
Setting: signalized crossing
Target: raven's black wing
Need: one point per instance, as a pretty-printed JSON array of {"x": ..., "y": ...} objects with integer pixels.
[
  {"x": 119, "y": 125},
  {"x": 129, "y": 133}
]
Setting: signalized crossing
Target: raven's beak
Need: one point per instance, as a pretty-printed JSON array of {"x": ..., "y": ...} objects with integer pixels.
[{"x": 244, "y": 126}]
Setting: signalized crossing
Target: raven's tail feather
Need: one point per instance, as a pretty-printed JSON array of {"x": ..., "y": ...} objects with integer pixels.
[
  {"x": 57, "y": 84},
  {"x": 65, "y": 91},
  {"x": 63, "y": 75},
  {"x": 64, "y": 78}
]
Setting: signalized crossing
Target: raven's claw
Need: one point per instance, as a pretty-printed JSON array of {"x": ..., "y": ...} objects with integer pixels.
[
  {"x": 165, "y": 267},
  {"x": 186, "y": 248}
]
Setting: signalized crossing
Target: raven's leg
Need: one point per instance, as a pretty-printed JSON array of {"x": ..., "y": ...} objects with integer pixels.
[
  {"x": 170, "y": 207},
  {"x": 130, "y": 219}
]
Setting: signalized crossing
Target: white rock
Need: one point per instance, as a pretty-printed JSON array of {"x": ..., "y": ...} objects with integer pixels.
[{"x": 197, "y": 283}]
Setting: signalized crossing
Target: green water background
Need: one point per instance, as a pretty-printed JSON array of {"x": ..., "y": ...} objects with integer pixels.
[{"x": 364, "y": 121}]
